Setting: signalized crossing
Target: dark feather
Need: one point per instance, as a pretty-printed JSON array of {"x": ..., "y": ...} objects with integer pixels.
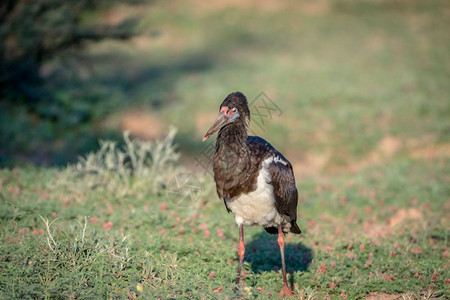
[
  {"x": 225, "y": 202},
  {"x": 271, "y": 230},
  {"x": 284, "y": 188}
]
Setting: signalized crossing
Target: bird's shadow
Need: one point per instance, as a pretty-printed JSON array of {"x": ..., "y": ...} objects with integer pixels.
[{"x": 263, "y": 254}]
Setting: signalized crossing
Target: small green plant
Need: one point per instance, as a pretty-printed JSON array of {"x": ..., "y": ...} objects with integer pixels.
[{"x": 137, "y": 162}]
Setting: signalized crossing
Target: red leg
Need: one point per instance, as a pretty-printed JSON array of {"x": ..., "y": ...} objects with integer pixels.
[
  {"x": 286, "y": 291},
  {"x": 241, "y": 252}
]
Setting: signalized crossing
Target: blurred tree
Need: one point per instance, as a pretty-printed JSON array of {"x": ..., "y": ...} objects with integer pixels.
[{"x": 34, "y": 31}]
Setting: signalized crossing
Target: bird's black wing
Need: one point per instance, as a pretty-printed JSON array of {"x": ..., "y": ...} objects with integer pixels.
[
  {"x": 284, "y": 189},
  {"x": 283, "y": 180}
]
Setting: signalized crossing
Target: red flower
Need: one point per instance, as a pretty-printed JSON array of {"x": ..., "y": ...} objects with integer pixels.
[
  {"x": 332, "y": 285},
  {"x": 260, "y": 288},
  {"x": 220, "y": 233},
  {"x": 389, "y": 278},
  {"x": 107, "y": 225},
  {"x": 322, "y": 269},
  {"x": 343, "y": 295},
  {"x": 327, "y": 248},
  {"x": 219, "y": 290},
  {"x": 416, "y": 251},
  {"x": 435, "y": 276},
  {"x": 351, "y": 255},
  {"x": 163, "y": 206},
  {"x": 211, "y": 275},
  {"x": 333, "y": 264}
]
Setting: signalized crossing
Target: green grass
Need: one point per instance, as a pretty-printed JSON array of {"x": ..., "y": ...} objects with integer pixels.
[
  {"x": 363, "y": 89},
  {"x": 383, "y": 230}
]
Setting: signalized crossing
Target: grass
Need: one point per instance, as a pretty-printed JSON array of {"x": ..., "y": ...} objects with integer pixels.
[
  {"x": 363, "y": 91},
  {"x": 381, "y": 230}
]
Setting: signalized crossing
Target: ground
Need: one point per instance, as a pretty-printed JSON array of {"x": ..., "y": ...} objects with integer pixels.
[{"x": 353, "y": 93}]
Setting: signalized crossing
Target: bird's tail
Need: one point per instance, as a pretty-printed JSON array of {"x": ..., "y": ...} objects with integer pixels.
[{"x": 294, "y": 228}]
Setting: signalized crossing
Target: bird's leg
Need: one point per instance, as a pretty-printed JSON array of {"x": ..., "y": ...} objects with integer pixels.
[
  {"x": 286, "y": 291},
  {"x": 241, "y": 251}
]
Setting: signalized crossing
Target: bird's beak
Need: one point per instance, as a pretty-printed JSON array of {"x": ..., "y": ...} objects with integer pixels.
[{"x": 220, "y": 122}]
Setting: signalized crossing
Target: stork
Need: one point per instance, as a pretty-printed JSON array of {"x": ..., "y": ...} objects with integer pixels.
[{"x": 255, "y": 181}]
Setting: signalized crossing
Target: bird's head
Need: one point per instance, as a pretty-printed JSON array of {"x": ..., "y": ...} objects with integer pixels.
[{"x": 233, "y": 110}]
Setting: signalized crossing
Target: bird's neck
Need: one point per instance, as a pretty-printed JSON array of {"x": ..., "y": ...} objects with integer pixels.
[
  {"x": 231, "y": 160},
  {"x": 232, "y": 137}
]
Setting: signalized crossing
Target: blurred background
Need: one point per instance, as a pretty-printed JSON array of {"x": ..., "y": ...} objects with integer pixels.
[
  {"x": 355, "y": 93},
  {"x": 357, "y": 83}
]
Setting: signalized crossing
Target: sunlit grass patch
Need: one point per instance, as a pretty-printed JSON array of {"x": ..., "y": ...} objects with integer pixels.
[{"x": 370, "y": 232}]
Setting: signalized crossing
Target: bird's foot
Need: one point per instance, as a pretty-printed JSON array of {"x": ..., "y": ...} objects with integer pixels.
[{"x": 286, "y": 292}]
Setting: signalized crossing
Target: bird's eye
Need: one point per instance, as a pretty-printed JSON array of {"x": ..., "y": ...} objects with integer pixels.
[{"x": 232, "y": 111}]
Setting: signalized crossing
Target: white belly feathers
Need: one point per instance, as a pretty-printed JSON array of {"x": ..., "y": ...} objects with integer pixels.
[{"x": 257, "y": 207}]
